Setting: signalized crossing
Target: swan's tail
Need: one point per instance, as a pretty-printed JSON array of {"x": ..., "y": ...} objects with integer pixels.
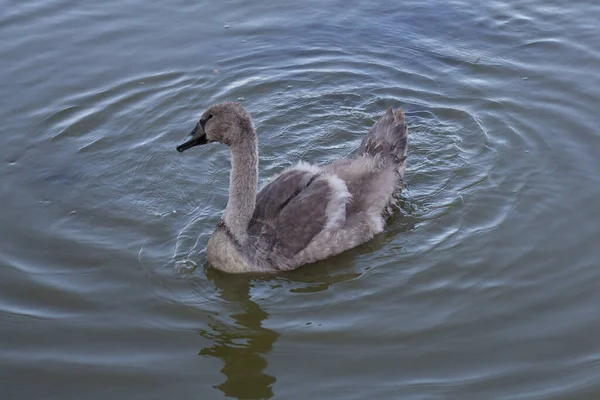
[{"x": 388, "y": 138}]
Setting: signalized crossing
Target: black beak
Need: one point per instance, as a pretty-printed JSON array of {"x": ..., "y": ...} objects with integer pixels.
[{"x": 198, "y": 138}]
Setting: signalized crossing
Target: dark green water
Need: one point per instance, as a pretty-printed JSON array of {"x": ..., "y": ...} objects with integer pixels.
[{"x": 484, "y": 286}]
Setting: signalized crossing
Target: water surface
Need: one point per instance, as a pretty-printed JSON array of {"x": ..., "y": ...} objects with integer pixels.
[{"x": 484, "y": 284}]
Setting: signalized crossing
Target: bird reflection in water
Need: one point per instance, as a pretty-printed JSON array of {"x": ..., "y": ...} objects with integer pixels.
[{"x": 244, "y": 345}]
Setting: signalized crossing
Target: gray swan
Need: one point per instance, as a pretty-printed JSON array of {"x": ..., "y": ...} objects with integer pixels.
[{"x": 308, "y": 212}]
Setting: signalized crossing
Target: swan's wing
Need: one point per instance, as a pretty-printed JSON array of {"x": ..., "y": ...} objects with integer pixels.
[
  {"x": 295, "y": 207},
  {"x": 277, "y": 193},
  {"x": 301, "y": 219}
]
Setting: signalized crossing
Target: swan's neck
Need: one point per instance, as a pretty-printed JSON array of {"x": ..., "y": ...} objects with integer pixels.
[{"x": 242, "y": 187}]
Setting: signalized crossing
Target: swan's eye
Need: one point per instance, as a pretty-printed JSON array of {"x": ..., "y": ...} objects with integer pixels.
[{"x": 210, "y": 116}]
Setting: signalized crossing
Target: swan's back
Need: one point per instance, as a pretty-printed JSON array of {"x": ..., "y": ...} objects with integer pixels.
[{"x": 308, "y": 212}]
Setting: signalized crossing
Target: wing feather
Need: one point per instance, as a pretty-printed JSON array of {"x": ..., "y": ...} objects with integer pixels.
[
  {"x": 294, "y": 207},
  {"x": 301, "y": 219}
]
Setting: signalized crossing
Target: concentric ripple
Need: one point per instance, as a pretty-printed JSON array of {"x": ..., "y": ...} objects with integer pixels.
[{"x": 483, "y": 284}]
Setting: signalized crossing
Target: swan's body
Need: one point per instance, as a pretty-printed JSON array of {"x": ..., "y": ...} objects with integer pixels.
[{"x": 308, "y": 212}]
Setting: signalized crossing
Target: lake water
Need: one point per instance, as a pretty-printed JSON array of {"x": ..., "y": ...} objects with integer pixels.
[{"x": 485, "y": 284}]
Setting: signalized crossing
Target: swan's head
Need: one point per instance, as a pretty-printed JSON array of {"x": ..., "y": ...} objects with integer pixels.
[{"x": 227, "y": 123}]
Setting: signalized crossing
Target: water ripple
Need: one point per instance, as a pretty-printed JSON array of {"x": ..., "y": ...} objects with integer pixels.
[{"x": 482, "y": 282}]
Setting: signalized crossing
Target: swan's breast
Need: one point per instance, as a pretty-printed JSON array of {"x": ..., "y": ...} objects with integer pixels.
[{"x": 223, "y": 254}]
